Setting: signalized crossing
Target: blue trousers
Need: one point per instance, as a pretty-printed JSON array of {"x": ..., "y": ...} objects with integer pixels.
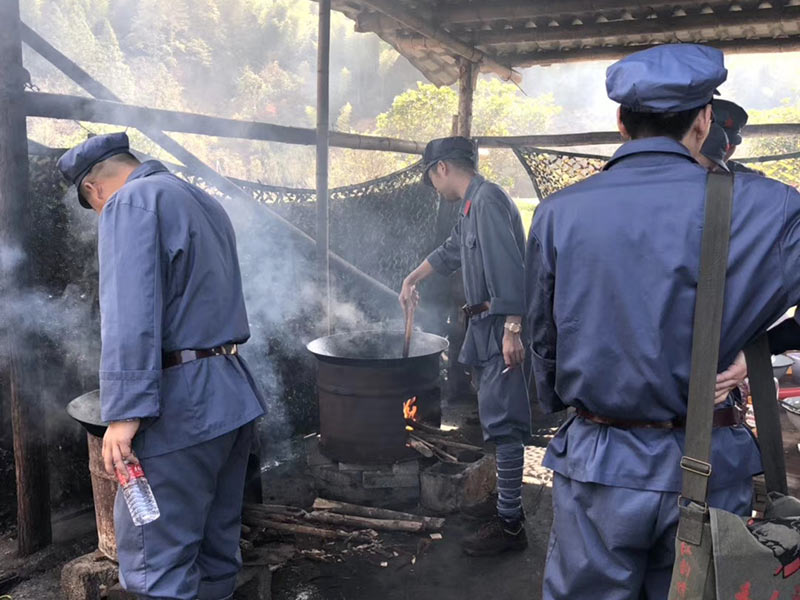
[
  {"x": 192, "y": 550},
  {"x": 503, "y": 405},
  {"x": 618, "y": 543}
]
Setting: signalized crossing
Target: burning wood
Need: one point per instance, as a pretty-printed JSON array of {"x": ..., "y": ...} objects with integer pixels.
[
  {"x": 420, "y": 447},
  {"x": 445, "y": 442},
  {"x": 410, "y": 409},
  {"x": 440, "y": 454},
  {"x": 321, "y": 504},
  {"x": 420, "y": 426}
]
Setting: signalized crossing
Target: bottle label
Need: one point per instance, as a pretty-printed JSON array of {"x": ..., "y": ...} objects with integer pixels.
[{"x": 134, "y": 472}]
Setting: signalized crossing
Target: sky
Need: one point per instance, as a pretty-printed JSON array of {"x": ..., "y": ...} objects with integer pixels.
[{"x": 756, "y": 81}]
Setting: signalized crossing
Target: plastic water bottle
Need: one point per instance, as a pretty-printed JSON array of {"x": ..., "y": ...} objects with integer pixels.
[{"x": 138, "y": 495}]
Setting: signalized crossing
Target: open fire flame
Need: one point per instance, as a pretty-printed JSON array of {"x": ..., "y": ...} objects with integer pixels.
[{"x": 410, "y": 409}]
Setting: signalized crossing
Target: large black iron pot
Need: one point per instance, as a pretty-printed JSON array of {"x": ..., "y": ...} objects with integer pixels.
[
  {"x": 363, "y": 381},
  {"x": 376, "y": 348},
  {"x": 86, "y": 411}
]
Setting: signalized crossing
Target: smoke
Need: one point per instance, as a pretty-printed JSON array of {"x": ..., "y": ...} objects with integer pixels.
[
  {"x": 53, "y": 325},
  {"x": 286, "y": 309},
  {"x": 58, "y": 316}
]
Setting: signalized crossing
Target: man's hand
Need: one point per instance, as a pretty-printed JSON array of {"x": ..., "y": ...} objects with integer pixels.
[
  {"x": 117, "y": 446},
  {"x": 513, "y": 350},
  {"x": 730, "y": 378},
  {"x": 409, "y": 295}
]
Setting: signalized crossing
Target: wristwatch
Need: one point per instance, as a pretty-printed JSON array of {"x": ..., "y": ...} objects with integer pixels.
[{"x": 513, "y": 327}]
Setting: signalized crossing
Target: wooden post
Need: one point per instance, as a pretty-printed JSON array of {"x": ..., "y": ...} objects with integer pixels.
[
  {"x": 27, "y": 412},
  {"x": 457, "y": 376},
  {"x": 467, "y": 78},
  {"x": 323, "y": 131}
]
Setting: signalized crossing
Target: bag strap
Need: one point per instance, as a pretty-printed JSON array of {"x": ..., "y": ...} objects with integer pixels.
[
  {"x": 768, "y": 420},
  {"x": 709, "y": 305}
]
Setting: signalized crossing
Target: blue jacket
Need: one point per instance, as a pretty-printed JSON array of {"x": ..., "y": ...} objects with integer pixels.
[
  {"x": 612, "y": 268},
  {"x": 488, "y": 244},
  {"x": 169, "y": 280}
]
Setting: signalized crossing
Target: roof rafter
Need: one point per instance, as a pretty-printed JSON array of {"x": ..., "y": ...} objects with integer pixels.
[{"x": 448, "y": 41}]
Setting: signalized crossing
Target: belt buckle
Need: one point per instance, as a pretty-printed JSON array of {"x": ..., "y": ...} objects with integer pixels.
[
  {"x": 466, "y": 310},
  {"x": 739, "y": 413},
  {"x": 698, "y": 467}
]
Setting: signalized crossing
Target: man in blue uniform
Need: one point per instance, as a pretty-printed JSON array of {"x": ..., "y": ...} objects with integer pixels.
[
  {"x": 712, "y": 154},
  {"x": 488, "y": 244},
  {"x": 174, "y": 390},
  {"x": 611, "y": 269},
  {"x": 732, "y": 118}
]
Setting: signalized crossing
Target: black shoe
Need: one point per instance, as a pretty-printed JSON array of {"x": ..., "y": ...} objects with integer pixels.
[{"x": 495, "y": 537}]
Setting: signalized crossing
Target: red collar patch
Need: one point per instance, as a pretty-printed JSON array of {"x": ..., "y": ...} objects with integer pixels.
[{"x": 467, "y": 206}]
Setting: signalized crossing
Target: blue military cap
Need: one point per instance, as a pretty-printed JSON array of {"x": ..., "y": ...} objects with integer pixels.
[
  {"x": 667, "y": 78},
  {"x": 732, "y": 118},
  {"x": 76, "y": 163},
  {"x": 448, "y": 148},
  {"x": 715, "y": 146}
]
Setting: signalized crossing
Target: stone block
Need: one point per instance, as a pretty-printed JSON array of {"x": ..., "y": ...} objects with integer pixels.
[
  {"x": 448, "y": 487},
  {"x": 407, "y": 467},
  {"x": 331, "y": 474},
  {"x": 314, "y": 457},
  {"x": 357, "y": 467},
  {"x": 117, "y": 593},
  {"x": 88, "y": 577},
  {"x": 378, "y": 479}
]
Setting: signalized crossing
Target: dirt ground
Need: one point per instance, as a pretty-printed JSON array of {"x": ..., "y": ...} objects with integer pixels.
[
  {"x": 440, "y": 571},
  {"x": 37, "y": 577}
]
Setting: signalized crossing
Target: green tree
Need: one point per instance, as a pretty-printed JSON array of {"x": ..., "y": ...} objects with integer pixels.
[
  {"x": 788, "y": 170},
  {"x": 499, "y": 108}
]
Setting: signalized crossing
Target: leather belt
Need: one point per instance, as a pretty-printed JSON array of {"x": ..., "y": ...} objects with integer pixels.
[
  {"x": 475, "y": 309},
  {"x": 178, "y": 357},
  {"x": 730, "y": 416}
]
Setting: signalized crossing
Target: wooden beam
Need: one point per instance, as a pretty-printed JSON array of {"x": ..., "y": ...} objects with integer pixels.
[
  {"x": 771, "y": 129},
  {"x": 322, "y": 133},
  {"x": 20, "y": 349},
  {"x": 555, "y": 141},
  {"x": 599, "y": 138},
  {"x": 549, "y": 57},
  {"x": 58, "y": 106},
  {"x": 467, "y": 78},
  {"x": 98, "y": 90},
  {"x": 426, "y": 28},
  {"x": 668, "y": 29},
  {"x": 194, "y": 164},
  {"x": 86, "y": 109}
]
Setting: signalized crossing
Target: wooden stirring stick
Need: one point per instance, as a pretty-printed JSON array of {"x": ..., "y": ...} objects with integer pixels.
[{"x": 409, "y": 310}]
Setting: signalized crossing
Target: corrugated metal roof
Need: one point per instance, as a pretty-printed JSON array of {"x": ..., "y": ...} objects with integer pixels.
[{"x": 524, "y": 33}]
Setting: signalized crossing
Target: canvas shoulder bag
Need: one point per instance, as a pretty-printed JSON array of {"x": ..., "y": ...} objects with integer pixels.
[{"x": 719, "y": 555}]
